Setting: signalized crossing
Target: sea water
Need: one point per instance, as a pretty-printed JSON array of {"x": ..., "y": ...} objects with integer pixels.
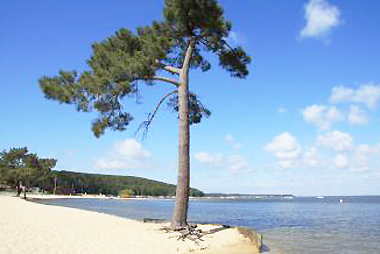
[{"x": 300, "y": 225}]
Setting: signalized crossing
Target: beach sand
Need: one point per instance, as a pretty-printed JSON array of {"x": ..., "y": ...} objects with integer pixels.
[{"x": 27, "y": 227}]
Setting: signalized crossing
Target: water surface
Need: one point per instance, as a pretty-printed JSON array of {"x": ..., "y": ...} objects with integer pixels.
[{"x": 300, "y": 225}]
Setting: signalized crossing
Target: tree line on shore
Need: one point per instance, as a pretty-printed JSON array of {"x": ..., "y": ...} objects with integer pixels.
[
  {"x": 75, "y": 182},
  {"x": 21, "y": 170}
]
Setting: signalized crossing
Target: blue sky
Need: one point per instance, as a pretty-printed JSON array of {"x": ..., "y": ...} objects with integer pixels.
[{"x": 305, "y": 121}]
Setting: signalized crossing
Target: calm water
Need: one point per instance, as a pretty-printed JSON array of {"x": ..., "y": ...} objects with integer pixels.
[{"x": 301, "y": 225}]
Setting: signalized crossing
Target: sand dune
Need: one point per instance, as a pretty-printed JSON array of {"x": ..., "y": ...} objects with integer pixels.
[{"x": 27, "y": 227}]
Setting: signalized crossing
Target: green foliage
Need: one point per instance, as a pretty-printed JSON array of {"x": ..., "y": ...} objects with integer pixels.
[
  {"x": 126, "y": 193},
  {"x": 74, "y": 182},
  {"x": 196, "y": 193},
  {"x": 17, "y": 165},
  {"x": 121, "y": 61},
  {"x": 196, "y": 109}
]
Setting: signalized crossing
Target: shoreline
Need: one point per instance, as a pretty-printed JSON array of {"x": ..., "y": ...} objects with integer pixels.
[{"x": 35, "y": 228}]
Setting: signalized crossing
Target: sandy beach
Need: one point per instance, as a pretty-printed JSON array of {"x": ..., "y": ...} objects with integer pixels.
[{"x": 27, "y": 227}]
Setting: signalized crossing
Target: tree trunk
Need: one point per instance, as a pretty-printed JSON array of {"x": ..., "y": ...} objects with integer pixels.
[
  {"x": 19, "y": 189},
  {"x": 183, "y": 184},
  {"x": 55, "y": 185}
]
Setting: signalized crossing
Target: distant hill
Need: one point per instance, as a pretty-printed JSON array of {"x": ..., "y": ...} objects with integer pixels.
[{"x": 74, "y": 182}]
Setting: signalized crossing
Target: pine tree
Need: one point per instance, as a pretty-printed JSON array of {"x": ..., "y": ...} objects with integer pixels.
[
  {"x": 175, "y": 45},
  {"x": 20, "y": 168}
]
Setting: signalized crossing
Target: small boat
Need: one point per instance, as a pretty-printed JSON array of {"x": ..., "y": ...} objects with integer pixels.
[
  {"x": 341, "y": 201},
  {"x": 320, "y": 197}
]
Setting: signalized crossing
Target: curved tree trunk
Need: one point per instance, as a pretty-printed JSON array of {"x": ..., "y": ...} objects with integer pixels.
[{"x": 183, "y": 185}]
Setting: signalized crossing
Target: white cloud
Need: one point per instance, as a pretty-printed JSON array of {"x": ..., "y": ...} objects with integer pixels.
[
  {"x": 320, "y": 17},
  {"x": 355, "y": 159},
  {"x": 360, "y": 164},
  {"x": 312, "y": 158},
  {"x": 109, "y": 163},
  {"x": 335, "y": 140},
  {"x": 341, "y": 161},
  {"x": 357, "y": 116},
  {"x": 361, "y": 157},
  {"x": 285, "y": 148},
  {"x": 232, "y": 142},
  {"x": 322, "y": 116},
  {"x": 205, "y": 157},
  {"x": 230, "y": 138},
  {"x": 131, "y": 148},
  {"x": 126, "y": 154},
  {"x": 334, "y": 114},
  {"x": 285, "y": 163},
  {"x": 236, "y": 146},
  {"x": 235, "y": 163},
  {"x": 365, "y": 149},
  {"x": 282, "y": 110},
  {"x": 238, "y": 163},
  {"x": 368, "y": 95}
]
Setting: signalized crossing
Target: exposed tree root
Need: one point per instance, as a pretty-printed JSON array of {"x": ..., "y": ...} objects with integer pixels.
[{"x": 189, "y": 232}]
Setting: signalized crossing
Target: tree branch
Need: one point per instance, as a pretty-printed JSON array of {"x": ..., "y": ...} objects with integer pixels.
[
  {"x": 151, "y": 116},
  {"x": 224, "y": 43},
  {"x": 168, "y": 68},
  {"x": 164, "y": 79}
]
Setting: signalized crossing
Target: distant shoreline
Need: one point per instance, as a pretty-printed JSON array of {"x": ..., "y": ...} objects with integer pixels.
[{"x": 206, "y": 197}]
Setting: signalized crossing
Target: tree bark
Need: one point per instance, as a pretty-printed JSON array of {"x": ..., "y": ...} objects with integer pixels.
[
  {"x": 19, "y": 189},
  {"x": 183, "y": 184},
  {"x": 55, "y": 185}
]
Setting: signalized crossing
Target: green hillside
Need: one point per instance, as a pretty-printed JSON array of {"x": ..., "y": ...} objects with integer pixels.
[{"x": 73, "y": 182}]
